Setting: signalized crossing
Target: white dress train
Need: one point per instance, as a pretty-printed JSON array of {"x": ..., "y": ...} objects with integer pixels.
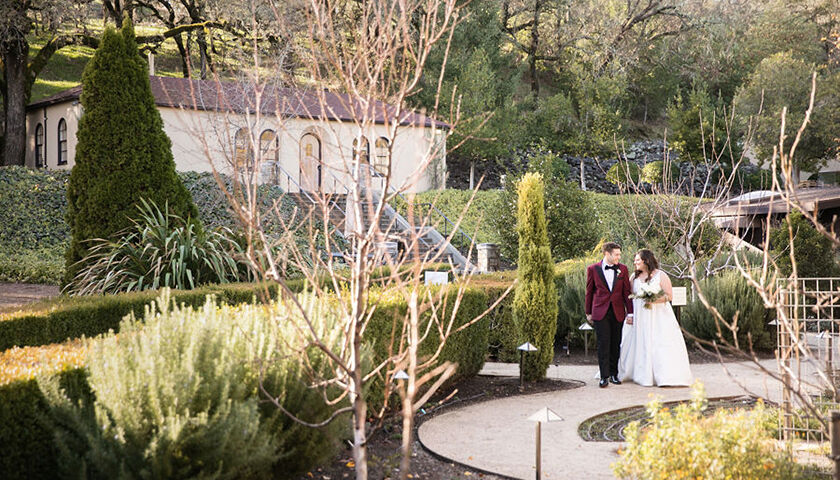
[{"x": 653, "y": 348}]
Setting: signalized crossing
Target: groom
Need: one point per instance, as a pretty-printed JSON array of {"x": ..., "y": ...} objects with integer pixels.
[{"x": 608, "y": 304}]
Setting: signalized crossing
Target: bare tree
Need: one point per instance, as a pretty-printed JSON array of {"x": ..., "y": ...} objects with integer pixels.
[
  {"x": 682, "y": 221},
  {"x": 371, "y": 56}
]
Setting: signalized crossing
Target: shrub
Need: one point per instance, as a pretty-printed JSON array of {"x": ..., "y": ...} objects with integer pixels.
[
  {"x": 567, "y": 209},
  {"x": 731, "y": 295},
  {"x": 123, "y": 153},
  {"x": 535, "y": 302},
  {"x": 161, "y": 249},
  {"x": 40, "y": 265},
  {"x": 570, "y": 277},
  {"x": 654, "y": 172},
  {"x": 29, "y": 452},
  {"x": 623, "y": 173},
  {"x": 467, "y": 348},
  {"x": 34, "y": 234},
  {"x": 32, "y": 205},
  {"x": 56, "y": 320},
  {"x": 813, "y": 251},
  {"x": 685, "y": 444},
  {"x": 698, "y": 126},
  {"x": 201, "y": 416}
]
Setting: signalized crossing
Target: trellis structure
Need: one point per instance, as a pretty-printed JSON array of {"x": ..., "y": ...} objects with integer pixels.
[{"x": 808, "y": 339}]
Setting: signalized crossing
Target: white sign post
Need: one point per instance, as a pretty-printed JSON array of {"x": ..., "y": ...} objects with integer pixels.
[{"x": 679, "y": 299}]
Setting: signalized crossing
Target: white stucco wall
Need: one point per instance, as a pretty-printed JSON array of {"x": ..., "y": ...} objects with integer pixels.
[
  {"x": 202, "y": 139},
  {"x": 49, "y": 117}
]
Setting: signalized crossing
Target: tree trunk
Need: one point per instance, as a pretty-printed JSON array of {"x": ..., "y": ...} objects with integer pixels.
[
  {"x": 411, "y": 387},
  {"x": 472, "y": 174},
  {"x": 14, "y": 55},
  {"x": 182, "y": 51},
  {"x": 535, "y": 41}
]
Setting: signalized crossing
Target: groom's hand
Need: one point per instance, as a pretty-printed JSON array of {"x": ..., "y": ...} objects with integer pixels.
[
  {"x": 589, "y": 319},
  {"x": 628, "y": 319}
]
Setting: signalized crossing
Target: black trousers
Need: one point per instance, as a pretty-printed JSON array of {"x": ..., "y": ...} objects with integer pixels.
[{"x": 608, "y": 334}]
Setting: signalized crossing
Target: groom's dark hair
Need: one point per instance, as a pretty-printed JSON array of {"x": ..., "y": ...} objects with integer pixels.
[{"x": 610, "y": 246}]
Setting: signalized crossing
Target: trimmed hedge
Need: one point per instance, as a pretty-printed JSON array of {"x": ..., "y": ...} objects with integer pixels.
[
  {"x": 73, "y": 317},
  {"x": 27, "y": 436}
]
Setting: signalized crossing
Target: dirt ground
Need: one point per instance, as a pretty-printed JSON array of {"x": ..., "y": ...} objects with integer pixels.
[{"x": 13, "y": 295}]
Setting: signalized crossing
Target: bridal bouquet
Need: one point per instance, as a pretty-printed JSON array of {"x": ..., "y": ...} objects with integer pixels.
[{"x": 648, "y": 293}]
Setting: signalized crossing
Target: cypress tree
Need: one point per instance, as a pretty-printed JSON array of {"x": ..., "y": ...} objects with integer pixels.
[
  {"x": 123, "y": 153},
  {"x": 535, "y": 300}
]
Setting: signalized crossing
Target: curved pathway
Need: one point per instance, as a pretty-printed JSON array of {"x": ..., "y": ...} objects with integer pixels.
[{"x": 496, "y": 436}]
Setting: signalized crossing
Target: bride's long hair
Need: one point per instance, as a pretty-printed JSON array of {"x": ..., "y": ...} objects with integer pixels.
[{"x": 650, "y": 261}]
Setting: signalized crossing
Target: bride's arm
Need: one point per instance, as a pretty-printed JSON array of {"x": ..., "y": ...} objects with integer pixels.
[{"x": 665, "y": 283}]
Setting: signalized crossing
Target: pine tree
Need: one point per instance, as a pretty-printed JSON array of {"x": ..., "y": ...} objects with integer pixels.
[
  {"x": 535, "y": 301},
  {"x": 123, "y": 153}
]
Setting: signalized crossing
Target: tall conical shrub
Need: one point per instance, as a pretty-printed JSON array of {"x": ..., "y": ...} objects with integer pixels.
[
  {"x": 123, "y": 153},
  {"x": 535, "y": 301}
]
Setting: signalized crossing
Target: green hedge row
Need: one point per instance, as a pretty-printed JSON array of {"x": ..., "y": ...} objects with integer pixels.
[
  {"x": 25, "y": 416},
  {"x": 73, "y": 317}
]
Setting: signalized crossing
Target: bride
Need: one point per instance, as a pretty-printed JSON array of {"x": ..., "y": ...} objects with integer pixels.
[{"x": 652, "y": 346}]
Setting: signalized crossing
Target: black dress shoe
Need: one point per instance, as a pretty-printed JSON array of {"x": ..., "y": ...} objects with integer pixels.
[
  {"x": 603, "y": 383},
  {"x": 614, "y": 379}
]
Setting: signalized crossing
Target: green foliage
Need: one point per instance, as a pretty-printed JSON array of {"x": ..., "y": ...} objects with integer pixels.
[
  {"x": 731, "y": 295},
  {"x": 654, "y": 173},
  {"x": 123, "y": 153},
  {"x": 623, "y": 173},
  {"x": 686, "y": 444},
  {"x": 783, "y": 81},
  {"x": 475, "y": 221},
  {"x": 56, "y": 320},
  {"x": 160, "y": 250},
  {"x": 467, "y": 348},
  {"x": 567, "y": 209},
  {"x": 34, "y": 233},
  {"x": 813, "y": 251},
  {"x": 32, "y": 204},
  {"x": 698, "y": 129},
  {"x": 570, "y": 277},
  {"x": 201, "y": 416},
  {"x": 535, "y": 302},
  {"x": 29, "y": 452},
  {"x": 644, "y": 221},
  {"x": 40, "y": 265}
]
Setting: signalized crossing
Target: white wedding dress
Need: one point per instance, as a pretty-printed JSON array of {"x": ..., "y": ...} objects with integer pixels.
[{"x": 652, "y": 348}]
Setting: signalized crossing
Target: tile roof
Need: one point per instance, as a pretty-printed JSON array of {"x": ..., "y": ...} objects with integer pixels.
[{"x": 239, "y": 97}]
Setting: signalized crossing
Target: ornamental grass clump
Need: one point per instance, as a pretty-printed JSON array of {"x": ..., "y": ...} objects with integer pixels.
[
  {"x": 683, "y": 443},
  {"x": 161, "y": 249},
  {"x": 178, "y": 395}
]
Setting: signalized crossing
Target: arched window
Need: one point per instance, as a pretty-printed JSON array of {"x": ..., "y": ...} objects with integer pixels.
[
  {"x": 39, "y": 146},
  {"x": 268, "y": 146},
  {"x": 242, "y": 153},
  {"x": 383, "y": 155},
  {"x": 361, "y": 153},
  {"x": 62, "y": 142}
]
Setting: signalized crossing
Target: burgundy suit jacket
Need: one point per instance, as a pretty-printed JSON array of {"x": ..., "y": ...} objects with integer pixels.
[{"x": 599, "y": 297}]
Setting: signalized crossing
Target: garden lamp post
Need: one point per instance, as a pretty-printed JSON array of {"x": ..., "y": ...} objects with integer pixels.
[
  {"x": 524, "y": 348},
  {"x": 586, "y": 328},
  {"x": 544, "y": 415}
]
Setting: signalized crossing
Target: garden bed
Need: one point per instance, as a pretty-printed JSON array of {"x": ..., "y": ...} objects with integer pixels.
[{"x": 384, "y": 444}]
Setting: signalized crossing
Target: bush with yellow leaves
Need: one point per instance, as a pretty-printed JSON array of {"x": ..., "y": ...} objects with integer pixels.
[{"x": 683, "y": 443}]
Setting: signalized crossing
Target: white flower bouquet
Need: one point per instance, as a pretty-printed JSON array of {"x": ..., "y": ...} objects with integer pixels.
[{"x": 649, "y": 293}]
